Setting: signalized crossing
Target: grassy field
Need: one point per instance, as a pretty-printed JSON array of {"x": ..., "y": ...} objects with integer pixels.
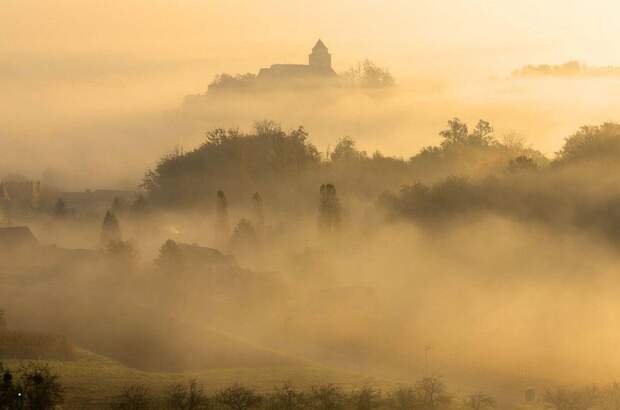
[{"x": 91, "y": 380}]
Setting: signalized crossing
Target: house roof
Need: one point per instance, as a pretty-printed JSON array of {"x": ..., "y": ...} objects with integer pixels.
[{"x": 16, "y": 237}]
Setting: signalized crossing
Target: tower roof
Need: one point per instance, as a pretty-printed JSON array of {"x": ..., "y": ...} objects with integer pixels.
[{"x": 319, "y": 46}]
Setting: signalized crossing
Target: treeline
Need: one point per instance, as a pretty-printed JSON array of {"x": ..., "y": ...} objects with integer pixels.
[
  {"x": 284, "y": 165},
  {"x": 568, "y": 69},
  {"x": 429, "y": 393},
  {"x": 35, "y": 386},
  {"x": 577, "y": 189},
  {"x": 471, "y": 171}
]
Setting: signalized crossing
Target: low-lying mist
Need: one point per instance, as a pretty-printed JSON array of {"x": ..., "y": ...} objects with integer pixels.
[
  {"x": 113, "y": 128},
  {"x": 476, "y": 255}
]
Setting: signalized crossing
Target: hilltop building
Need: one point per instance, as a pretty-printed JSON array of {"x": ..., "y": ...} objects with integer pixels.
[
  {"x": 318, "y": 72},
  {"x": 319, "y": 65}
]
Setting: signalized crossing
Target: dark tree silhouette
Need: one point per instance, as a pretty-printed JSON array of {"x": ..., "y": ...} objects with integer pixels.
[
  {"x": 431, "y": 393},
  {"x": 40, "y": 387},
  {"x": 403, "y": 398},
  {"x": 287, "y": 398},
  {"x": 190, "y": 397},
  {"x": 366, "y": 398},
  {"x": 329, "y": 209},
  {"x": 170, "y": 257},
  {"x": 60, "y": 209},
  {"x": 458, "y": 133},
  {"x": 9, "y": 391},
  {"x": 479, "y": 401},
  {"x": 345, "y": 151},
  {"x": 327, "y": 397},
  {"x": 136, "y": 397},
  {"x": 570, "y": 399},
  {"x": 244, "y": 238},
  {"x": 238, "y": 398},
  {"x": 368, "y": 75},
  {"x": 110, "y": 230},
  {"x": 264, "y": 158},
  {"x": 521, "y": 163},
  {"x": 591, "y": 143}
]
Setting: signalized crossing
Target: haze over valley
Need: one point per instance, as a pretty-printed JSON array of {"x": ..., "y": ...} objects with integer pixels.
[{"x": 306, "y": 205}]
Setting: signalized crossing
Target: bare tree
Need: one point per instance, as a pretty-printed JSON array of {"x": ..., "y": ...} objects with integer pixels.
[
  {"x": 238, "y": 397},
  {"x": 431, "y": 393},
  {"x": 327, "y": 397},
  {"x": 366, "y": 398},
  {"x": 562, "y": 398},
  {"x": 287, "y": 398},
  {"x": 190, "y": 397},
  {"x": 479, "y": 401},
  {"x": 403, "y": 398}
]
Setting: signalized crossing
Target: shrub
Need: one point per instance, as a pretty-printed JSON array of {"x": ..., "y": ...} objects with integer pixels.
[
  {"x": 366, "y": 398},
  {"x": 287, "y": 398},
  {"x": 238, "y": 397},
  {"x": 327, "y": 397},
  {"x": 136, "y": 397},
  {"x": 39, "y": 387},
  {"x": 190, "y": 397}
]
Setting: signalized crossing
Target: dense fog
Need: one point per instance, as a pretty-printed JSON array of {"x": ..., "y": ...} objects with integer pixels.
[{"x": 445, "y": 206}]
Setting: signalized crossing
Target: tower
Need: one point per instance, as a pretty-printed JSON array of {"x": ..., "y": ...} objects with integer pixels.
[{"x": 320, "y": 57}]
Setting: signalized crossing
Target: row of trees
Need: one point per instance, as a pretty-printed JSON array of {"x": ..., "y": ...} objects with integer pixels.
[
  {"x": 429, "y": 393},
  {"x": 138, "y": 208},
  {"x": 245, "y": 237},
  {"x": 35, "y": 386},
  {"x": 283, "y": 164},
  {"x": 470, "y": 169}
]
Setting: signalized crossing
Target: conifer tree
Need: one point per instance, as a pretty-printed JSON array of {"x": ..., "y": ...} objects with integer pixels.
[
  {"x": 110, "y": 230},
  {"x": 244, "y": 238},
  {"x": 170, "y": 257},
  {"x": 329, "y": 209},
  {"x": 60, "y": 209}
]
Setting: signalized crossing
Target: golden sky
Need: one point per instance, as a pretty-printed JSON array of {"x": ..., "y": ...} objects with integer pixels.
[
  {"x": 70, "y": 68},
  {"x": 398, "y": 32}
]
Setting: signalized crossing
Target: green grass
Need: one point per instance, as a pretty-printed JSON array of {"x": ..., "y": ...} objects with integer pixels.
[{"x": 91, "y": 380}]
